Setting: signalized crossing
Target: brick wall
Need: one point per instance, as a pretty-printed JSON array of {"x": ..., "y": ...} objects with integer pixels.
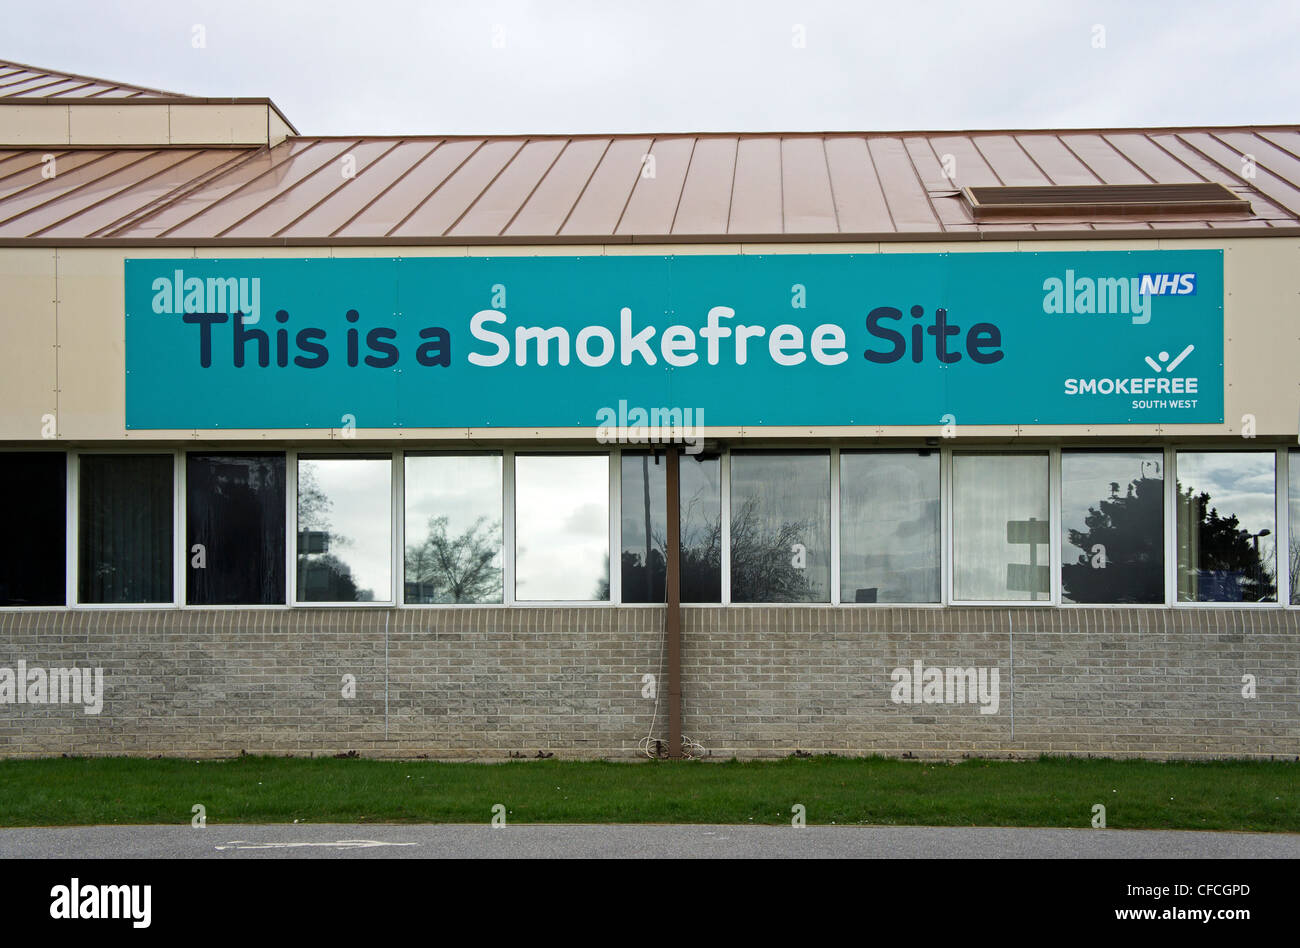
[{"x": 757, "y": 681}]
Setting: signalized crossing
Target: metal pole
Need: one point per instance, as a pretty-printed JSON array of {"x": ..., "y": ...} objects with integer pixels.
[
  {"x": 673, "y": 593},
  {"x": 649, "y": 547}
]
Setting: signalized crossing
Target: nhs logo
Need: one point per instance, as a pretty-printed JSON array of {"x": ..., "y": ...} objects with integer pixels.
[{"x": 1167, "y": 284}]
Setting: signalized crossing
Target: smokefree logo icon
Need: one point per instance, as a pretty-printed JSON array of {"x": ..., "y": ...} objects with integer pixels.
[{"x": 1164, "y": 357}]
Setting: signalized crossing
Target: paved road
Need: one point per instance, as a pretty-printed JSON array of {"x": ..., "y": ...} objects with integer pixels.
[{"x": 587, "y": 841}]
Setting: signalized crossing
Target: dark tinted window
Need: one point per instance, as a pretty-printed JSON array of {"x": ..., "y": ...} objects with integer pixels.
[
  {"x": 1112, "y": 524},
  {"x": 645, "y": 534},
  {"x": 125, "y": 528},
  {"x": 235, "y": 515},
  {"x": 33, "y": 557}
]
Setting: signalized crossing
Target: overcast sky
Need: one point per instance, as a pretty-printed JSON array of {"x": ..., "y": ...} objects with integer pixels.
[{"x": 390, "y": 67}]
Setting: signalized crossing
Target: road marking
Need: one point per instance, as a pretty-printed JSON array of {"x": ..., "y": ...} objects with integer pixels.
[{"x": 337, "y": 844}]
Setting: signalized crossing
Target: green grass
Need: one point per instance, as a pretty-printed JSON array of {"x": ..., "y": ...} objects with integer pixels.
[{"x": 1216, "y": 795}]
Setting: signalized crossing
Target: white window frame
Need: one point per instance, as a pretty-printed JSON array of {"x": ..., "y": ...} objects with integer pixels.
[
  {"x": 1168, "y": 450},
  {"x": 336, "y": 452},
  {"x": 290, "y": 483},
  {"x": 1053, "y": 525},
  {"x": 400, "y": 556},
  {"x": 944, "y": 557},
  {"x": 832, "y": 547},
  {"x": 613, "y": 460},
  {"x": 74, "y": 527},
  {"x": 1059, "y": 525},
  {"x": 1171, "y": 493}
]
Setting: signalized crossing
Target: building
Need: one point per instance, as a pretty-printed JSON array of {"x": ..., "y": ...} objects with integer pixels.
[{"x": 936, "y": 443}]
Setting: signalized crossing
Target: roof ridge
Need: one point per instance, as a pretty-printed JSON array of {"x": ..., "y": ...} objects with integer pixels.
[
  {"x": 59, "y": 74},
  {"x": 884, "y": 133}
]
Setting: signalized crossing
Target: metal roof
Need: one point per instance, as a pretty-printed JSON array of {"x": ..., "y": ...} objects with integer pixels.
[
  {"x": 21, "y": 81},
  {"x": 603, "y": 189}
]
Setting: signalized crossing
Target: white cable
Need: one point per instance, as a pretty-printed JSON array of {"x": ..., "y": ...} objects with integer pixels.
[{"x": 691, "y": 750}]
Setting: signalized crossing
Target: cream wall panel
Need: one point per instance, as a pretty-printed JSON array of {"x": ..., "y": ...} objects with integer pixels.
[
  {"x": 128, "y": 125},
  {"x": 1262, "y": 345},
  {"x": 33, "y": 125},
  {"x": 279, "y": 130},
  {"x": 92, "y": 365},
  {"x": 219, "y": 124},
  {"x": 28, "y": 361}
]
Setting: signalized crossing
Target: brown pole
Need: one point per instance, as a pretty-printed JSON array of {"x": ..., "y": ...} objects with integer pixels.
[{"x": 673, "y": 591}]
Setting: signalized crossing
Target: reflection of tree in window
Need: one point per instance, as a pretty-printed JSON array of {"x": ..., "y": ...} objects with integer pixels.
[
  {"x": 322, "y": 576},
  {"x": 701, "y": 536},
  {"x": 701, "y": 565},
  {"x": 762, "y": 568},
  {"x": 602, "y": 583},
  {"x": 643, "y": 559},
  {"x": 1219, "y": 560},
  {"x": 1127, "y": 527},
  {"x": 459, "y": 568}
]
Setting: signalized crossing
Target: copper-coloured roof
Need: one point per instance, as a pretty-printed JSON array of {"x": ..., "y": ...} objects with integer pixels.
[
  {"x": 20, "y": 81},
  {"x": 638, "y": 188}
]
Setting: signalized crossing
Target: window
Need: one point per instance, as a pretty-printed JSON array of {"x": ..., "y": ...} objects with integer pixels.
[
  {"x": 700, "y": 490},
  {"x": 644, "y": 494},
  {"x": 780, "y": 526},
  {"x": 889, "y": 526},
  {"x": 124, "y": 532},
  {"x": 345, "y": 529},
  {"x": 1293, "y": 554},
  {"x": 453, "y": 528},
  {"x": 1000, "y": 513},
  {"x": 645, "y": 527},
  {"x": 234, "y": 529},
  {"x": 1112, "y": 526},
  {"x": 33, "y": 558},
  {"x": 1226, "y": 522},
  {"x": 562, "y": 527}
]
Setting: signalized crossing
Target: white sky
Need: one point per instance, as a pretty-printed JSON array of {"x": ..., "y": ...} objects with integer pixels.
[{"x": 392, "y": 67}]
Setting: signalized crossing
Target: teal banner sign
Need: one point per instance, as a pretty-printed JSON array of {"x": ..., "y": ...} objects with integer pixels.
[{"x": 1100, "y": 337}]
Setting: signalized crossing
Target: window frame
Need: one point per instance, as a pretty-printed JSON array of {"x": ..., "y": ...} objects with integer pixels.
[
  {"x": 613, "y": 511},
  {"x": 1281, "y": 501},
  {"x": 830, "y": 448},
  {"x": 396, "y": 539},
  {"x": 396, "y": 457},
  {"x": 1168, "y": 536},
  {"x": 74, "y": 528},
  {"x": 507, "y": 561},
  {"x": 1052, "y": 454},
  {"x": 944, "y": 474},
  {"x": 290, "y": 491}
]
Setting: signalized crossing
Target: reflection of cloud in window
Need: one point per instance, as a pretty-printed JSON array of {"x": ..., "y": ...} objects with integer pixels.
[
  {"x": 360, "y": 492},
  {"x": 462, "y": 489},
  {"x": 1086, "y": 481},
  {"x": 1240, "y": 484},
  {"x": 562, "y": 526},
  {"x": 588, "y": 520}
]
